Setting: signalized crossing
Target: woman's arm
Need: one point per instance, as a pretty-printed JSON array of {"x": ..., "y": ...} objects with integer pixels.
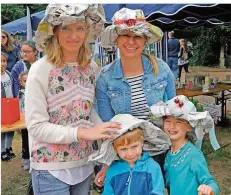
[
  {"x": 15, "y": 79},
  {"x": 37, "y": 117},
  {"x": 103, "y": 101},
  {"x": 180, "y": 54},
  {"x": 170, "y": 89}
]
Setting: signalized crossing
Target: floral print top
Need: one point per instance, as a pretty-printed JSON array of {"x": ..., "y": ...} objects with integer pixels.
[{"x": 70, "y": 97}]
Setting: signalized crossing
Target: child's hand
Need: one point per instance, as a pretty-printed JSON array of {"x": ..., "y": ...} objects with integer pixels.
[
  {"x": 100, "y": 177},
  {"x": 205, "y": 190}
]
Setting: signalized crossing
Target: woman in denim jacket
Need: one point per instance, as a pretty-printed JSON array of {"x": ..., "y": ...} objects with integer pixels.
[{"x": 136, "y": 81}]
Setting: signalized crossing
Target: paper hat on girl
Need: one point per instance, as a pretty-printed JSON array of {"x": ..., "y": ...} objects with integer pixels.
[
  {"x": 155, "y": 140},
  {"x": 181, "y": 107},
  {"x": 126, "y": 20},
  {"x": 64, "y": 14}
]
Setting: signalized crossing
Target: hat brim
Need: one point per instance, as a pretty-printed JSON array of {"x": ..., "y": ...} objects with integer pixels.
[
  {"x": 155, "y": 140},
  {"x": 57, "y": 14},
  {"x": 109, "y": 36}
]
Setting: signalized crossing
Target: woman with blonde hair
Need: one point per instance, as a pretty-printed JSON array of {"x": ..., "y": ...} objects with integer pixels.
[
  {"x": 183, "y": 57},
  {"x": 59, "y": 101},
  {"x": 10, "y": 49},
  {"x": 136, "y": 81}
]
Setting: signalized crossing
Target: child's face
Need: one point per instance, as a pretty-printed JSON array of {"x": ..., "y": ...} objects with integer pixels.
[
  {"x": 176, "y": 128},
  {"x": 131, "y": 152},
  {"x": 23, "y": 80},
  {"x": 3, "y": 64},
  {"x": 28, "y": 53}
]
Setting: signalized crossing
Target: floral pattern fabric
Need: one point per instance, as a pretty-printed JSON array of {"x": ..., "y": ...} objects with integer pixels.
[{"x": 70, "y": 97}]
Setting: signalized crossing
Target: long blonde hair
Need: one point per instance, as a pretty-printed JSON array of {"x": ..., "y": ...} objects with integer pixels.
[
  {"x": 54, "y": 52},
  {"x": 9, "y": 44},
  {"x": 153, "y": 62}
]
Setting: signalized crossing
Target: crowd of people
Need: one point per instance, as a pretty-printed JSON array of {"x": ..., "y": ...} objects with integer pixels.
[{"x": 70, "y": 105}]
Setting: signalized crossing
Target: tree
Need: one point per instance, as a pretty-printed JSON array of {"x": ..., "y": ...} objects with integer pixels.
[
  {"x": 11, "y": 12},
  {"x": 207, "y": 44}
]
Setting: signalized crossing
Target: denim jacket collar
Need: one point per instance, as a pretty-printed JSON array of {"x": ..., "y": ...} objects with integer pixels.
[{"x": 118, "y": 71}]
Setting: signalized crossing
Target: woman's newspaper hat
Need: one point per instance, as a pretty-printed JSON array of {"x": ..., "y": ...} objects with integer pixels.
[
  {"x": 126, "y": 20},
  {"x": 64, "y": 14}
]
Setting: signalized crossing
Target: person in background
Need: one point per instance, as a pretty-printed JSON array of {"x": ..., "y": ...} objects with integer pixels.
[
  {"x": 59, "y": 100},
  {"x": 28, "y": 53},
  {"x": 6, "y": 92},
  {"x": 10, "y": 49},
  {"x": 183, "y": 57},
  {"x": 25, "y": 142},
  {"x": 173, "y": 50},
  {"x": 134, "y": 82},
  {"x": 184, "y": 160}
]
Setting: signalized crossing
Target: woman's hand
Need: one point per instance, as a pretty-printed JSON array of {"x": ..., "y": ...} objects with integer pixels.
[
  {"x": 100, "y": 177},
  {"x": 100, "y": 131},
  {"x": 205, "y": 190}
]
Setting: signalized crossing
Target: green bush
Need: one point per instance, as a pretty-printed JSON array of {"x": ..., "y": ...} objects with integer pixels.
[{"x": 207, "y": 44}]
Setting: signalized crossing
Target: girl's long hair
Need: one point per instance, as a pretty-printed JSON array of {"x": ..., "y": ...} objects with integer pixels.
[
  {"x": 9, "y": 44},
  {"x": 185, "y": 45}
]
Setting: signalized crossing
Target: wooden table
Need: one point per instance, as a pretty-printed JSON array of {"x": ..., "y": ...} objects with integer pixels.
[
  {"x": 20, "y": 124},
  {"x": 219, "y": 88}
]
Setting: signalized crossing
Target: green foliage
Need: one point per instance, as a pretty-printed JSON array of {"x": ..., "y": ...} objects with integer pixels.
[
  {"x": 207, "y": 44},
  {"x": 11, "y": 12}
]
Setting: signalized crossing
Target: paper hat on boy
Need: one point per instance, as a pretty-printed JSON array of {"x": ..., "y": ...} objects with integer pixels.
[
  {"x": 64, "y": 14},
  {"x": 126, "y": 20},
  {"x": 155, "y": 140},
  {"x": 181, "y": 107}
]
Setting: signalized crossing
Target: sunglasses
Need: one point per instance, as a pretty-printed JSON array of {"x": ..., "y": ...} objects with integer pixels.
[{"x": 3, "y": 37}]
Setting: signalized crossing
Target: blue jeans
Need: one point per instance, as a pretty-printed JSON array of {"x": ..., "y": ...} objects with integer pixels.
[
  {"x": 46, "y": 184},
  {"x": 172, "y": 62},
  {"x": 6, "y": 140}
]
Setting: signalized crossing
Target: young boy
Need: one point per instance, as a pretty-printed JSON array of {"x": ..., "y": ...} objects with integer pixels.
[
  {"x": 186, "y": 170},
  {"x": 25, "y": 145},
  {"x": 131, "y": 171}
]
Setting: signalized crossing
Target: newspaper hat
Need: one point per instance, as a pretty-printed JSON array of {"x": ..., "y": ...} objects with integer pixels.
[
  {"x": 155, "y": 140},
  {"x": 181, "y": 107},
  {"x": 64, "y": 14},
  {"x": 126, "y": 20}
]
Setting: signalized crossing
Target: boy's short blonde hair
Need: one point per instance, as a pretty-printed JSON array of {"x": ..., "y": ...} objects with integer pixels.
[{"x": 129, "y": 137}]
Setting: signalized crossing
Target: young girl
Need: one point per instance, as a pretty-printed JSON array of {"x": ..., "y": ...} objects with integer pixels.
[
  {"x": 28, "y": 53},
  {"x": 183, "y": 57},
  {"x": 24, "y": 132},
  {"x": 186, "y": 170},
  {"x": 6, "y": 92},
  {"x": 131, "y": 171}
]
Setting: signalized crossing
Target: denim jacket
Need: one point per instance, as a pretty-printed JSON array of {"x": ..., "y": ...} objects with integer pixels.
[{"x": 113, "y": 92}]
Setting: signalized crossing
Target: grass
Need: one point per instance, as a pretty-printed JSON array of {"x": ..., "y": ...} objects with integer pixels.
[{"x": 15, "y": 179}]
